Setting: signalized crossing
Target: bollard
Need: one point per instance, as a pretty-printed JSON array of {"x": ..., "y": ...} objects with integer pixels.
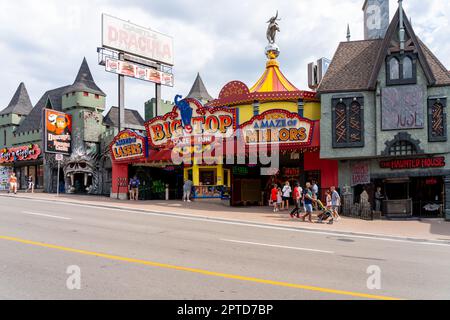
[{"x": 167, "y": 192}]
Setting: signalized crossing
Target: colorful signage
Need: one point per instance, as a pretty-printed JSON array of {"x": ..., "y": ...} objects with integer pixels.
[
  {"x": 190, "y": 124},
  {"x": 360, "y": 173},
  {"x": 127, "y": 37},
  {"x": 5, "y": 173},
  {"x": 422, "y": 163},
  {"x": 22, "y": 153},
  {"x": 128, "y": 145},
  {"x": 57, "y": 132},
  {"x": 278, "y": 127},
  {"x": 139, "y": 72}
]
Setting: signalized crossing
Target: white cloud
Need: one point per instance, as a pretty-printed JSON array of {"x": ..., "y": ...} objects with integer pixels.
[{"x": 44, "y": 42}]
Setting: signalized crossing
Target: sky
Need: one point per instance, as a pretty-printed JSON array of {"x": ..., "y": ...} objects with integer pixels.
[{"x": 42, "y": 43}]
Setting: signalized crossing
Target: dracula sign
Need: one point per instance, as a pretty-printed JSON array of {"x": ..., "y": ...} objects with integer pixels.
[
  {"x": 190, "y": 123},
  {"x": 57, "y": 132},
  {"x": 278, "y": 127},
  {"x": 128, "y": 145}
]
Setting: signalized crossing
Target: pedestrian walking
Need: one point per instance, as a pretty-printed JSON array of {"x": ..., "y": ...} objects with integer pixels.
[
  {"x": 280, "y": 201},
  {"x": 187, "y": 188},
  {"x": 30, "y": 184},
  {"x": 315, "y": 192},
  {"x": 297, "y": 196},
  {"x": 274, "y": 198},
  {"x": 286, "y": 196},
  {"x": 13, "y": 183},
  {"x": 134, "y": 188},
  {"x": 335, "y": 203},
  {"x": 308, "y": 201}
]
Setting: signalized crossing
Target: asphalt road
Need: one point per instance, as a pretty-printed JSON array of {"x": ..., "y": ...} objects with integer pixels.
[{"x": 133, "y": 255}]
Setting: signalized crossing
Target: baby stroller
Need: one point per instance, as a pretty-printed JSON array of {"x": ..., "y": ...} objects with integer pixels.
[{"x": 326, "y": 213}]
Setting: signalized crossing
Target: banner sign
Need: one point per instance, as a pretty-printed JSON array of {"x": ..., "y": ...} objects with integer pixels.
[
  {"x": 360, "y": 173},
  {"x": 423, "y": 163},
  {"x": 5, "y": 173},
  {"x": 139, "y": 72},
  {"x": 128, "y": 37},
  {"x": 22, "y": 153},
  {"x": 128, "y": 145},
  {"x": 278, "y": 127},
  {"x": 57, "y": 132},
  {"x": 190, "y": 123},
  {"x": 403, "y": 108}
]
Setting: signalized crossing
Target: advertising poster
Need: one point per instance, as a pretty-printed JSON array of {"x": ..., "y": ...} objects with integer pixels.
[
  {"x": 139, "y": 72},
  {"x": 128, "y": 145},
  {"x": 57, "y": 132},
  {"x": 5, "y": 172},
  {"x": 360, "y": 173}
]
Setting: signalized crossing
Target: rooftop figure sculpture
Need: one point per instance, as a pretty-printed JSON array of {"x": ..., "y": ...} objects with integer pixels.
[{"x": 272, "y": 29}]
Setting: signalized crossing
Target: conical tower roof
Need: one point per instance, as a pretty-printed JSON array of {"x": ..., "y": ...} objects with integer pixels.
[
  {"x": 84, "y": 81},
  {"x": 273, "y": 80},
  {"x": 20, "y": 103},
  {"x": 199, "y": 90}
]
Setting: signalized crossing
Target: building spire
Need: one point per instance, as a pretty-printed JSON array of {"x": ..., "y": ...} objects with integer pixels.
[
  {"x": 348, "y": 33},
  {"x": 402, "y": 26}
]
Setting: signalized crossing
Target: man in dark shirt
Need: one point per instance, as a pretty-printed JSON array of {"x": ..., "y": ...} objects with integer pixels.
[
  {"x": 308, "y": 201},
  {"x": 134, "y": 188}
]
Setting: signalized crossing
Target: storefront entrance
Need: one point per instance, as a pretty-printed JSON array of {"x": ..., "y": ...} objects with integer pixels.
[{"x": 155, "y": 179}]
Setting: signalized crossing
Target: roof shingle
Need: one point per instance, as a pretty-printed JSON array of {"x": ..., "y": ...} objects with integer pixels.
[
  {"x": 20, "y": 102},
  {"x": 132, "y": 117}
]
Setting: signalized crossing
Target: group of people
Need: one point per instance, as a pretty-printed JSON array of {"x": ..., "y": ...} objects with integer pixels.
[
  {"x": 306, "y": 200},
  {"x": 13, "y": 184}
]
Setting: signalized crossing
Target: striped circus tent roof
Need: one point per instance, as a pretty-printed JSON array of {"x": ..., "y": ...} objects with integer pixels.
[{"x": 273, "y": 80}]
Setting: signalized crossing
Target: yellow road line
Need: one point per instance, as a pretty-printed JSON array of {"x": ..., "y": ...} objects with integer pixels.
[{"x": 199, "y": 271}]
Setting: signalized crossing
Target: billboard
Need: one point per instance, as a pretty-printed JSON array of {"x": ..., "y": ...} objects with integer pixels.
[
  {"x": 190, "y": 123},
  {"x": 5, "y": 173},
  {"x": 360, "y": 173},
  {"x": 127, "y": 37},
  {"x": 57, "y": 132},
  {"x": 138, "y": 72},
  {"x": 278, "y": 127},
  {"x": 403, "y": 108}
]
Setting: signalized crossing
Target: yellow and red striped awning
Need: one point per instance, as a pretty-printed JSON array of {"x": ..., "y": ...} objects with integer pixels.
[{"x": 273, "y": 80}]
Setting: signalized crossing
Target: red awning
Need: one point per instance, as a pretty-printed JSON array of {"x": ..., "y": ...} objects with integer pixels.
[{"x": 160, "y": 156}]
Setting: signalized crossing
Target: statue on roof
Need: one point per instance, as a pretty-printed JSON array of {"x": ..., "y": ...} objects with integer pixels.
[{"x": 273, "y": 28}]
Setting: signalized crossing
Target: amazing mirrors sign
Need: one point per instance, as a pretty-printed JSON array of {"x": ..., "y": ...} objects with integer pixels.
[
  {"x": 22, "y": 153},
  {"x": 190, "y": 124},
  {"x": 57, "y": 132},
  {"x": 128, "y": 145},
  {"x": 278, "y": 127}
]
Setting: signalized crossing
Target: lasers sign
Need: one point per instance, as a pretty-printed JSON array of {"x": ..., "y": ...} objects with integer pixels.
[
  {"x": 127, "y": 37},
  {"x": 128, "y": 145}
]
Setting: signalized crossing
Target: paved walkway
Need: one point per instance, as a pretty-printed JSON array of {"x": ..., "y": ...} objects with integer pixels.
[{"x": 426, "y": 229}]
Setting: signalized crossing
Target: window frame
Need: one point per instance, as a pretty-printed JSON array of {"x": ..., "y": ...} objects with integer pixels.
[
  {"x": 400, "y": 58},
  {"x": 431, "y": 102},
  {"x": 347, "y": 102}
]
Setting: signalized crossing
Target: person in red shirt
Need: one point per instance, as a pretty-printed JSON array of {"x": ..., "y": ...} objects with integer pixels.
[
  {"x": 274, "y": 197},
  {"x": 297, "y": 200}
]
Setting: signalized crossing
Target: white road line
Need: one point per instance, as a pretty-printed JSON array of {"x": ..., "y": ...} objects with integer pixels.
[
  {"x": 45, "y": 215},
  {"x": 277, "y": 246},
  {"x": 187, "y": 216}
]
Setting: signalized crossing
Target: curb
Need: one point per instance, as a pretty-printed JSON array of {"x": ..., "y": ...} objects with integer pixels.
[{"x": 253, "y": 223}]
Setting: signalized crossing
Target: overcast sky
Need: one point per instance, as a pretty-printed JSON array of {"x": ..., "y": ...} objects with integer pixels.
[{"x": 42, "y": 43}]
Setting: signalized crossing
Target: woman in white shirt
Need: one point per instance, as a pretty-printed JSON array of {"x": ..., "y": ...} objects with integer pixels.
[{"x": 286, "y": 196}]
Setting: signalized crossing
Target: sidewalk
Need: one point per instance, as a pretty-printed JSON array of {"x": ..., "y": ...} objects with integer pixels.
[{"x": 429, "y": 229}]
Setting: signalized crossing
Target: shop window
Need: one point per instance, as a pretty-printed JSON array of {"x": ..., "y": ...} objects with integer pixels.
[
  {"x": 437, "y": 120},
  {"x": 401, "y": 69},
  {"x": 208, "y": 177},
  {"x": 348, "y": 122}
]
